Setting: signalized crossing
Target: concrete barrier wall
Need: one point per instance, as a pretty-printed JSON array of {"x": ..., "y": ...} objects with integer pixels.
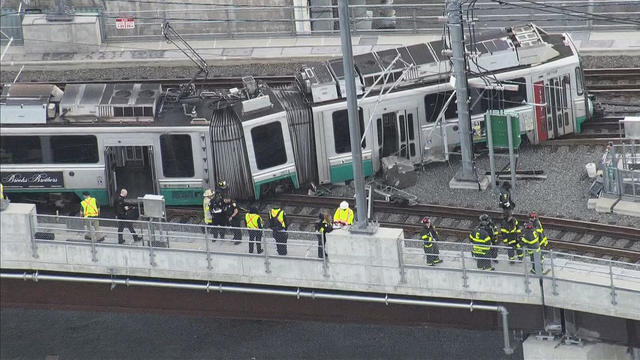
[{"x": 356, "y": 263}]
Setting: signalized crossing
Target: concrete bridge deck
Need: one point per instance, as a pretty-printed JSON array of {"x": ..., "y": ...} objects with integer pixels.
[{"x": 383, "y": 263}]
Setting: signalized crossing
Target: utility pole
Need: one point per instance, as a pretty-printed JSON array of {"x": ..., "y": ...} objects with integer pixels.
[
  {"x": 361, "y": 224},
  {"x": 454, "y": 23}
]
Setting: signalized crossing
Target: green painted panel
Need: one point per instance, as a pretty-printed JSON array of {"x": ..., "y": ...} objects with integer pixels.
[
  {"x": 344, "y": 172},
  {"x": 499, "y": 130},
  {"x": 258, "y": 185},
  {"x": 101, "y": 195},
  {"x": 182, "y": 196},
  {"x": 579, "y": 122}
]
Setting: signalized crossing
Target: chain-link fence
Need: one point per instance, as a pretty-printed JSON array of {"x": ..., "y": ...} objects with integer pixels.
[{"x": 621, "y": 171}]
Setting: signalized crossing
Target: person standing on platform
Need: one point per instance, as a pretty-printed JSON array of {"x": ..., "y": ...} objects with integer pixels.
[
  {"x": 531, "y": 242},
  {"x": 90, "y": 211},
  {"x": 323, "y": 226},
  {"x": 232, "y": 215},
  {"x": 254, "y": 224},
  {"x": 510, "y": 237},
  {"x": 278, "y": 224},
  {"x": 343, "y": 215},
  {"x": 123, "y": 213},
  {"x": 504, "y": 200},
  {"x": 430, "y": 237},
  {"x": 218, "y": 218},
  {"x": 537, "y": 225},
  {"x": 206, "y": 204},
  {"x": 481, "y": 240}
]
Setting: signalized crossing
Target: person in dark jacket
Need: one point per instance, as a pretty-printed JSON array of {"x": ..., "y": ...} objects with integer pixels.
[
  {"x": 232, "y": 213},
  {"x": 279, "y": 224},
  {"x": 429, "y": 235},
  {"x": 218, "y": 218},
  {"x": 323, "y": 226},
  {"x": 125, "y": 211},
  {"x": 504, "y": 200}
]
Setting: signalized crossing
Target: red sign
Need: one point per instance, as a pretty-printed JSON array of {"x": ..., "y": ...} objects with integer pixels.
[{"x": 125, "y": 23}]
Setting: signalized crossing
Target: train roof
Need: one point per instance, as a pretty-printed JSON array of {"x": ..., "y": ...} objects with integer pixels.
[{"x": 492, "y": 51}]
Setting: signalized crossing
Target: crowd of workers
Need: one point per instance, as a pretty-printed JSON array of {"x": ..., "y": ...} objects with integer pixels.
[
  {"x": 528, "y": 239},
  {"x": 221, "y": 212}
]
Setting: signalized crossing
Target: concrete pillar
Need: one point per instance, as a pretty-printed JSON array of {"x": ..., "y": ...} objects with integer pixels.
[
  {"x": 534, "y": 349},
  {"x": 83, "y": 33}
]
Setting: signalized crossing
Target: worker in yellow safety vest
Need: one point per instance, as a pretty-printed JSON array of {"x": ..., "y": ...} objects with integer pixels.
[
  {"x": 343, "y": 214},
  {"x": 279, "y": 224},
  {"x": 90, "y": 211},
  {"x": 254, "y": 224},
  {"x": 1, "y": 191}
]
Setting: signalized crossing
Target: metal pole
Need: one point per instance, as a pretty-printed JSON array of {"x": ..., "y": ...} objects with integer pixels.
[
  {"x": 512, "y": 157},
  {"x": 492, "y": 163},
  {"x": 352, "y": 110},
  {"x": 454, "y": 21}
]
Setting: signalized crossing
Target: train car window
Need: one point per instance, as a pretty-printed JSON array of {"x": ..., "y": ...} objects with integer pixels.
[
  {"x": 268, "y": 145},
  {"x": 379, "y": 129},
  {"x": 74, "y": 149},
  {"x": 20, "y": 150},
  {"x": 412, "y": 149},
  {"x": 515, "y": 98},
  {"x": 403, "y": 131},
  {"x": 579, "y": 87},
  {"x": 433, "y": 104},
  {"x": 341, "y": 131},
  {"x": 177, "y": 156},
  {"x": 411, "y": 132}
]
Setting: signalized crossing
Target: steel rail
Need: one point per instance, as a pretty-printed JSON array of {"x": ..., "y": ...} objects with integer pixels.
[
  {"x": 223, "y": 81},
  {"x": 561, "y": 224}
]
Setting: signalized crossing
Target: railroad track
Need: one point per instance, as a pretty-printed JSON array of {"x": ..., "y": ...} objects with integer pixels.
[
  {"x": 618, "y": 80},
  {"x": 456, "y": 223}
]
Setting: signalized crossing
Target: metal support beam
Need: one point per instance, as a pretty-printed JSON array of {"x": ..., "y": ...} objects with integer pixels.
[
  {"x": 352, "y": 110},
  {"x": 456, "y": 36}
]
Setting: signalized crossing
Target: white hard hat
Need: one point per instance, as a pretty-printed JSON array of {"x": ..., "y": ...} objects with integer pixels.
[{"x": 344, "y": 205}]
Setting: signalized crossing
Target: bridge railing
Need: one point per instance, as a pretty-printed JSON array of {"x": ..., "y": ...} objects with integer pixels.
[
  {"x": 558, "y": 268},
  {"x": 154, "y": 237}
]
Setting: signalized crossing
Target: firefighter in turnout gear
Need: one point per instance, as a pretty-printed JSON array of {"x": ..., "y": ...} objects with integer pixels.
[
  {"x": 430, "y": 237},
  {"x": 504, "y": 200},
  {"x": 510, "y": 231},
  {"x": 254, "y": 224},
  {"x": 278, "y": 224},
  {"x": 90, "y": 211},
  {"x": 481, "y": 239},
  {"x": 531, "y": 242},
  {"x": 537, "y": 225}
]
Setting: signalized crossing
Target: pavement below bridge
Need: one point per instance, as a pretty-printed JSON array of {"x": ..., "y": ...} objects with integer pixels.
[{"x": 103, "y": 335}]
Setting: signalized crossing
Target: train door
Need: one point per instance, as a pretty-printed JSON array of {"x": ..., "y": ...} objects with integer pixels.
[
  {"x": 558, "y": 92},
  {"x": 110, "y": 174},
  {"x": 567, "y": 105},
  {"x": 131, "y": 168},
  {"x": 398, "y": 130},
  {"x": 541, "y": 116}
]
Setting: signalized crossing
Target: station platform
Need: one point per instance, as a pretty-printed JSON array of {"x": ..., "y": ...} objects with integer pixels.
[
  {"x": 617, "y": 206},
  {"x": 298, "y": 48}
]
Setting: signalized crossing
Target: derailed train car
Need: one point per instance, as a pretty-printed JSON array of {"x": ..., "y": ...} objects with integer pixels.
[{"x": 101, "y": 137}]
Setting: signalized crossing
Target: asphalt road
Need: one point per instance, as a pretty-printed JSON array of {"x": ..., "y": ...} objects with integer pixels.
[{"x": 40, "y": 334}]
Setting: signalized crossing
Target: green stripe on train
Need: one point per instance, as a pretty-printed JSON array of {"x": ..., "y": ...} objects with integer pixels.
[
  {"x": 258, "y": 185},
  {"x": 100, "y": 194},
  {"x": 579, "y": 121},
  {"x": 344, "y": 172},
  {"x": 182, "y": 196}
]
